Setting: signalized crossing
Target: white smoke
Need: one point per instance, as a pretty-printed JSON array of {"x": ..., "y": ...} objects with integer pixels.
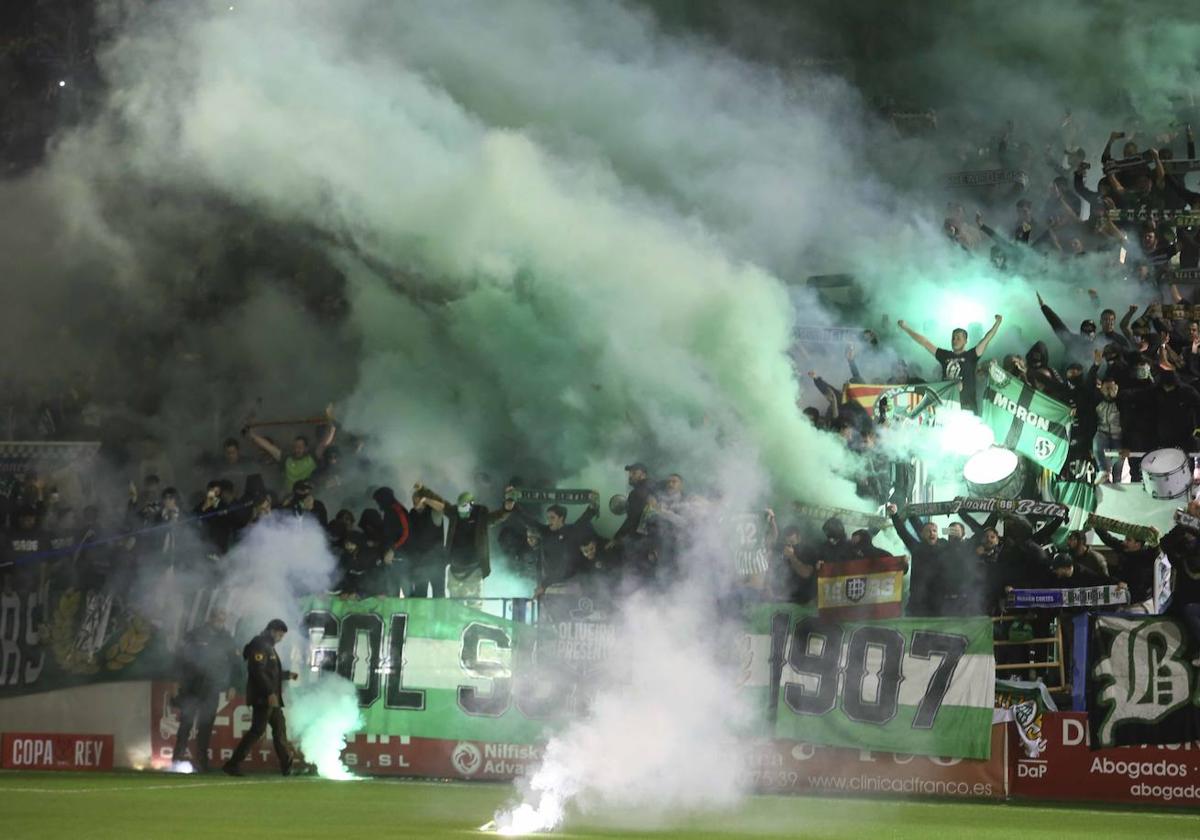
[
  {"x": 662, "y": 739},
  {"x": 563, "y": 233},
  {"x": 277, "y": 562},
  {"x": 665, "y": 733}
]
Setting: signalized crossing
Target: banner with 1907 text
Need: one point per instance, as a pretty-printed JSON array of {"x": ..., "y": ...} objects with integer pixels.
[
  {"x": 430, "y": 668},
  {"x": 923, "y": 686},
  {"x": 442, "y": 670}
]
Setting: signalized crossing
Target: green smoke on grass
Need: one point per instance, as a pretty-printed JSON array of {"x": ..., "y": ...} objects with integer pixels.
[{"x": 322, "y": 716}]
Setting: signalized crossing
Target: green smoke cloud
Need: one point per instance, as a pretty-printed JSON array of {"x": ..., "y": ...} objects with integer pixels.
[
  {"x": 585, "y": 319},
  {"x": 322, "y": 715},
  {"x": 563, "y": 226}
]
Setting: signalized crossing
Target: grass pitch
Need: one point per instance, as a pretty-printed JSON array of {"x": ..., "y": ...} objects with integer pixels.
[{"x": 149, "y": 805}]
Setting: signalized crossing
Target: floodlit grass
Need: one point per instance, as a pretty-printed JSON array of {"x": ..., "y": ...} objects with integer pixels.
[{"x": 143, "y": 805}]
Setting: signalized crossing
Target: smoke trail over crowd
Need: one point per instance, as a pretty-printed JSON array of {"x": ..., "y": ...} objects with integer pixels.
[
  {"x": 586, "y": 318},
  {"x": 562, "y": 226},
  {"x": 549, "y": 239},
  {"x": 278, "y": 562}
]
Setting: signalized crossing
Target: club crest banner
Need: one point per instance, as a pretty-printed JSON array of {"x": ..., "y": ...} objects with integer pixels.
[{"x": 1142, "y": 686}]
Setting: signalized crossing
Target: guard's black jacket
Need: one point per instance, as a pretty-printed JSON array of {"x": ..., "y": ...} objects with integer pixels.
[{"x": 264, "y": 672}]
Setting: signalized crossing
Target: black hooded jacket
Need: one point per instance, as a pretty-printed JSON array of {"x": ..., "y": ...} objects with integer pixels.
[
  {"x": 1040, "y": 374},
  {"x": 395, "y": 518},
  {"x": 1174, "y": 408}
]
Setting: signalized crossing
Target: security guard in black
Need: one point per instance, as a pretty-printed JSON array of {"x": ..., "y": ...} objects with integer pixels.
[{"x": 264, "y": 695}]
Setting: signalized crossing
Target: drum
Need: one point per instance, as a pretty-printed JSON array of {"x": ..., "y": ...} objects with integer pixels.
[
  {"x": 994, "y": 473},
  {"x": 1166, "y": 474}
]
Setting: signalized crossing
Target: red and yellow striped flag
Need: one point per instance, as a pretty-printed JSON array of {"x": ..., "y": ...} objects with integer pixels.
[{"x": 866, "y": 588}]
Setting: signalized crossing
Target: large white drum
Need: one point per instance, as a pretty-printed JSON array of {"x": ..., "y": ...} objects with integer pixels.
[
  {"x": 994, "y": 473},
  {"x": 1166, "y": 473}
]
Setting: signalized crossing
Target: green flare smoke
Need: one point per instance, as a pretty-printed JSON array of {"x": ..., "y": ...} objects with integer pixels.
[
  {"x": 322, "y": 716},
  {"x": 586, "y": 324},
  {"x": 564, "y": 227}
]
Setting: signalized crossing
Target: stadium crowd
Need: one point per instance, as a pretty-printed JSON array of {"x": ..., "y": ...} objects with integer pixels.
[{"x": 1130, "y": 376}]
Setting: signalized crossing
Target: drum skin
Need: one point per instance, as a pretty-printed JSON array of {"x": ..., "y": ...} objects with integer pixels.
[
  {"x": 994, "y": 473},
  {"x": 1166, "y": 473}
]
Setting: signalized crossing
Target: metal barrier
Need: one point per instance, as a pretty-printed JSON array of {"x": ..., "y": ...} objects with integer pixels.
[
  {"x": 1112, "y": 453},
  {"x": 1054, "y": 643},
  {"x": 519, "y": 610}
]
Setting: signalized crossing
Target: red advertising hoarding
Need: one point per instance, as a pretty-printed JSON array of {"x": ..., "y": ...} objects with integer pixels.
[
  {"x": 771, "y": 766},
  {"x": 795, "y": 767},
  {"x": 55, "y": 751},
  {"x": 374, "y": 755},
  {"x": 1068, "y": 769}
]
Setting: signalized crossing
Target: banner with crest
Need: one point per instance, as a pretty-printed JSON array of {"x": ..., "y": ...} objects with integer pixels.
[
  {"x": 51, "y": 640},
  {"x": 1142, "y": 682},
  {"x": 916, "y": 403}
]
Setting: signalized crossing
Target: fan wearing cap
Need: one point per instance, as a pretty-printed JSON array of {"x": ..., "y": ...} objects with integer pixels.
[
  {"x": 467, "y": 547},
  {"x": 640, "y": 488},
  {"x": 1066, "y": 573},
  {"x": 264, "y": 695},
  {"x": 302, "y": 503}
]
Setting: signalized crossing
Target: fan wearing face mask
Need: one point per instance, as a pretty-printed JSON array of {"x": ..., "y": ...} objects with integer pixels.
[{"x": 467, "y": 551}]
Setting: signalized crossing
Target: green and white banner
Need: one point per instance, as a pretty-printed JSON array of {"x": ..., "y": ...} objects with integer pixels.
[
  {"x": 429, "y": 667},
  {"x": 439, "y": 669},
  {"x": 1025, "y": 420},
  {"x": 923, "y": 686},
  {"x": 58, "y": 639},
  {"x": 1025, "y": 704}
]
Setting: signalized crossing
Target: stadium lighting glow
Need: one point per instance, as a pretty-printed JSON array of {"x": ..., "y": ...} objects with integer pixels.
[{"x": 62, "y": 82}]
